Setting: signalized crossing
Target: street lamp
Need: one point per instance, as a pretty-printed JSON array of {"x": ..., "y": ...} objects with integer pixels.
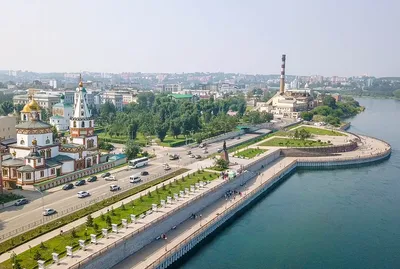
[{"x": 42, "y": 197}]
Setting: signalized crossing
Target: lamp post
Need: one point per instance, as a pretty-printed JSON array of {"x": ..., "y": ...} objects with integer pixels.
[{"x": 42, "y": 197}]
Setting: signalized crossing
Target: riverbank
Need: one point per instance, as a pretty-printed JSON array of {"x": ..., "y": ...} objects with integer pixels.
[{"x": 377, "y": 149}]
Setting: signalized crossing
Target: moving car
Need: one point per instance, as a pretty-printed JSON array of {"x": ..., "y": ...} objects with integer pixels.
[
  {"x": 92, "y": 179},
  {"x": 83, "y": 194},
  {"x": 106, "y": 175},
  {"x": 22, "y": 201},
  {"x": 205, "y": 151},
  {"x": 166, "y": 167},
  {"x": 49, "y": 211},
  {"x": 173, "y": 157},
  {"x": 238, "y": 138},
  {"x": 189, "y": 152},
  {"x": 68, "y": 186},
  {"x": 192, "y": 156},
  {"x": 219, "y": 150},
  {"x": 115, "y": 188},
  {"x": 202, "y": 145},
  {"x": 198, "y": 157},
  {"x": 110, "y": 178},
  {"x": 134, "y": 179},
  {"x": 80, "y": 182},
  {"x": 144, "y": 173}
]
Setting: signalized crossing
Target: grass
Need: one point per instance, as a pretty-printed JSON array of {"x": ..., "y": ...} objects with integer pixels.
[
  {"x": 8, "y": 197},
  {"x": 289, "y": 142},
  {"x": 250, "y": 153},
  {"x": 38, "y": 231},
  {"x": 319, "y": 131},
  {"x": 140, "y": 138},
  {"x": 170, "y": 140},
  {"x": 249, "y": 142},
  {"x": 137, "y": 207}
]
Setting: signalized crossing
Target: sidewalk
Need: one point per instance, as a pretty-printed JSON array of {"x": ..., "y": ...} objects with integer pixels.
[{"x": 68, "y": 227}]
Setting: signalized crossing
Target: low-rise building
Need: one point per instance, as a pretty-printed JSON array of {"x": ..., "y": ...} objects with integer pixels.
[
  {"x": 7, "y": 127},
  {"x": 62, "y": 112},
  {"x": 46, "y": 100},
  {"x": 114, "y": 98}
]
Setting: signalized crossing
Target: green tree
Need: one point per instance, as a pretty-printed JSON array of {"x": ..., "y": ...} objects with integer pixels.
[
  {"x": 222, "y": 164},
  {"x": 396, "y": 94},
  {"x": 306, "y": 115},
  {"x": 175, "y": 127},
  {"x": 131, "y": 149},
  {"x": 329, "y": 101},
  {"x": 161, "y": 130},
  {"x": 89, "y": 221},
  {"x": 132, "y": 129},
  {"x": 7, "y": 107},
  {"x": 108, "y": 221},
  {"x": 45, "y": 114},
  {"x": 55, "y": 132}
]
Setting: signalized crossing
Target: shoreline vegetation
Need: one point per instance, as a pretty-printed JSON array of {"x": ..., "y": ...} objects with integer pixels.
[{"x": 333, "y": 112}]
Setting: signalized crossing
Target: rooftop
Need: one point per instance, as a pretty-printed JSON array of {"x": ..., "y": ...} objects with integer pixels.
[
  {"x": 13, "y": 162},
  {"x": 180, "y": 96},
  {"x": 37, "y": 124}
]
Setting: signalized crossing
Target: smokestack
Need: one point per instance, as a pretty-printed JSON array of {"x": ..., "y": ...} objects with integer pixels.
[{"x": 282, "y": 86}]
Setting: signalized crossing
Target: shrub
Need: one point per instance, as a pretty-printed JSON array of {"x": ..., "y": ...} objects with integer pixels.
[
  {"x": 123, "y": 206},
  {"x": 112, "y": 211},
  {"x": 108, "y": 221},
  {"x": 73, "y": 233},
  {"x": 37, "y": 256},
  {"x": 96, "y": 227},
  {"x": 102, "y": 216}
]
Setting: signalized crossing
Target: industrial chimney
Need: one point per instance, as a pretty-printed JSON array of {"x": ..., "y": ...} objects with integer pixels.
[{"x": 282, "y": 86}]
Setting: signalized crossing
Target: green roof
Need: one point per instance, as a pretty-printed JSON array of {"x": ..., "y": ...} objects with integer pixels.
[
  {"x": 181, "y": 96},
  {"x": 61, "y": 158},
  {"x": 36, "y": 124},
  {"x": 56, "y": 117},
  {"x": 26, "y": 168},
  {"x": 62, "y": 105}
]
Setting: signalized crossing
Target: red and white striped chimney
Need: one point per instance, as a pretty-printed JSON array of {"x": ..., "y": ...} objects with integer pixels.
[{"x": 282, "y": 86}]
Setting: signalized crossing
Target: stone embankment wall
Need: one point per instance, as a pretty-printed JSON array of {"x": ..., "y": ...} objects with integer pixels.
[
  {"x": 127, "y": 246},
  {"x": 319, "y": 151}
]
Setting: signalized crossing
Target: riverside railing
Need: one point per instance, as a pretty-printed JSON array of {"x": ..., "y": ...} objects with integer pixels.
[{"x": 216, "y": 219}]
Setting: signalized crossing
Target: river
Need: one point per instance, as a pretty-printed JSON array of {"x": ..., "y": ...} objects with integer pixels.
[{"x": 346, "y": 218}]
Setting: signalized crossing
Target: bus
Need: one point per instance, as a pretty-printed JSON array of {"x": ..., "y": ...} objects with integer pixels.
[{"x": 136, "y": 163}]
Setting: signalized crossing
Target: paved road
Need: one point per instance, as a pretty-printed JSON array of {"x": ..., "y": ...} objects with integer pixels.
[{"x": 67, "y": 201}]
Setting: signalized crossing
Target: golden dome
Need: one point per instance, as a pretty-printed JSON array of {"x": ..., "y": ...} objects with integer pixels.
[{"x": 31, "y": 106}]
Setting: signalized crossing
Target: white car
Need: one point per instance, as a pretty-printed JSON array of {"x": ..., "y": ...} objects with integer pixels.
[
  {"x": 83, "y": 194},
  {"x": 110, "y": 178},
  {"x": 49, "y": 211},
  {"x": 167, "y": 167},
  {"x": 134, "y": 179},
  {"x": 115, "y": 188}
]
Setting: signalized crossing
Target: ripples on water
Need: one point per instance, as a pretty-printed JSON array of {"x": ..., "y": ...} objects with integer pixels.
[{"x": 321, "y": 219}]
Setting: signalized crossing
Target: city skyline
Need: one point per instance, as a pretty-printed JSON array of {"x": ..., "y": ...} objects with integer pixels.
[{"x": 175, "y": 37}]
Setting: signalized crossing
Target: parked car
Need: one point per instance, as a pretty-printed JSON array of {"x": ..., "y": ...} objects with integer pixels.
[
  {"x": 144, "y": 173},
  {"x": 134, "y": 179},
  {"x": 115, "y": 188},
  {"x": 80, "y": 182},
  {"x": 83, "y": 194},
  {"x": 49, "y": 211},
  {"x": 198, "y": 157},
  {"x": 68, "y": 186},
  {"x": 92, "y": 179},
  {"x": 22, "y": 201},
  {"x": 106, "y": 175},
  {"x": 110, "y": 178}
]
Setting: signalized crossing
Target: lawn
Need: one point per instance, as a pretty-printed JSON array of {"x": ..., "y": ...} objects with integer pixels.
[
  {"x": 289, "y": 142},
  {"x": 250, "y": 153},
  {"x": 28, "y": 259},
  {"x": 170, "y": 141},
  {"x": 319, "y": 131},
  {"x": 122, "y": 139}
]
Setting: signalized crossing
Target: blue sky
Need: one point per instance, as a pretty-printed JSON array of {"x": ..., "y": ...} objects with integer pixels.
[{"x": 339, "y": 37}]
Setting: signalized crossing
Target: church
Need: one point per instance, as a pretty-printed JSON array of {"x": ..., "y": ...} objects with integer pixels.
[{"x": 37, "y": 156}]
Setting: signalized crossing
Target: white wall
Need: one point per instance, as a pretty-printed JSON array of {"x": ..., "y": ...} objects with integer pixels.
[
  {"x": 68, "y": 167},
  {"x": 28, "y": 138}
]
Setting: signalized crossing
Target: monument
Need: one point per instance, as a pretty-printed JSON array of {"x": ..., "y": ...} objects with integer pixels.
[{"x": 224, "y": 153}]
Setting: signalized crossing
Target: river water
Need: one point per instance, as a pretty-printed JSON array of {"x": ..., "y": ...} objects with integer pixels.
[{"x": 321, "y": 219}]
